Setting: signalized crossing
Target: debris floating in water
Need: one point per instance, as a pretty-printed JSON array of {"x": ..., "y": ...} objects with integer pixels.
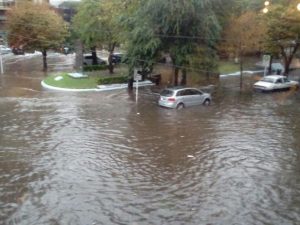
[{"x": 190, "y": 156}]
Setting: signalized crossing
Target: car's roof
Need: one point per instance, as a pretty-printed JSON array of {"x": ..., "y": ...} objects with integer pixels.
[
  {"x": 275, "y": 76},
  {"x": 179, "y": 88}
]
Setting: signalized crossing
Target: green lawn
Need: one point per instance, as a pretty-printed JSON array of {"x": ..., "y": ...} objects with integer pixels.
[
  {"x": 70, "y": 82},
  {"x": 89, "y": 82},
  {"x": 231, "y": 67}
]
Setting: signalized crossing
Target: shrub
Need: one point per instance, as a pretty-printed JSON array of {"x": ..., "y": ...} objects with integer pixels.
[
  {"x": 94, "y": 67},
  {"x": 113, "y": 80}
]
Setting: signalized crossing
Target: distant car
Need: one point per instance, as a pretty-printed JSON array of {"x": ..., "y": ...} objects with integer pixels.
[
  {"x": 117, "y": 58},
  {"x": 4, "y": 49},
  {"x": 180, "y": 97},
  {"x": 18, "y": 51},
  {"x": 275, "y": 82},
  {"x": 88, "y": 60}
]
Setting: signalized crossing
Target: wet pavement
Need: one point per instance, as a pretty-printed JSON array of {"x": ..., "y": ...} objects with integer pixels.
[{"x": 100, "y": 158}]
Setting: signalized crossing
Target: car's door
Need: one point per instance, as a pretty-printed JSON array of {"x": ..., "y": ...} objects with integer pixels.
[
  {"x": 197, "y": 97},
  {"x": 286, "y": 83},
  {"x": 180, "y": 97},
  {"x": 278, "y": 83},
  {"x": 187, "y": 97}
]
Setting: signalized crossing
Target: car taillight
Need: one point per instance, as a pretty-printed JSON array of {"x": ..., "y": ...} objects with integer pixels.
[{"x": 171, "y": 99}]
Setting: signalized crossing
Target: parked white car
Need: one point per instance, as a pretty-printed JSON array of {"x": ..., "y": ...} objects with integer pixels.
[{"x": 275, "y": 82}]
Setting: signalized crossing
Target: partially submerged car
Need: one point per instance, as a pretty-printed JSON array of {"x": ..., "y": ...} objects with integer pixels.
[
  {"x": 274, "y": 83},
  {"x": 181, "y": 97}
]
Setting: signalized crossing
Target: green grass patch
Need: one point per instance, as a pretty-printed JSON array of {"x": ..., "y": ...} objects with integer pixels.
[
  {"x": 229, "y": 66},
  {"x": 94, "y": 78},
  {"x": 70, "y": 82},
  {"x": 113, "y": 80}
]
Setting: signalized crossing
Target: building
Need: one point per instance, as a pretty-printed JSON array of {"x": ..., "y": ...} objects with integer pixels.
[{"x": 5, "y": 5}]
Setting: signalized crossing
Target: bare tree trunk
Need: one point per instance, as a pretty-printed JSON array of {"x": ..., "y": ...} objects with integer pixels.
[
  {"x": 183, "y": 80},
  {"x": 176, "y": 72},
  {"x": 110, "y": 62},
  {"x": 288, "y": 58},
  {"x": 45, "y": 66},
  {"x": 94, "y": 56},
  {"x": 270, "y": 65},
  {"x": 79, "y": 55}
]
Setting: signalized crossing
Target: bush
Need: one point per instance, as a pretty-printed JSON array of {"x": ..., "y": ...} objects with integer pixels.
[
  {"x": 113, "y": 80},
  {"x": 94, "y": 67}
]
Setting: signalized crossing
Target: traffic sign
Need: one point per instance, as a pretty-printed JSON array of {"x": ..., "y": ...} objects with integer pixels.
[{"x": 266, "y": 60}]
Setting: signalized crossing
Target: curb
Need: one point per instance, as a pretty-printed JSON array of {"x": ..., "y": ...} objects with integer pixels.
[{"x": 100, "y": 87}]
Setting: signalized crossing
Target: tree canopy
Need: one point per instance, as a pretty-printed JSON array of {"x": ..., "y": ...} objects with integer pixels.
[
  {"x": 35, "y": 27},
  {"x": 176, "y": 28},
  {"x": 283, "y": 31},
  {"x": 96, "y": 24}
]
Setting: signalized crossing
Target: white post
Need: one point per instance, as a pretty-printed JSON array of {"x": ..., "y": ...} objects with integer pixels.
[
  {"x": 265, "y": 70},
  {"x": 1, "y": 63},
  {"x": 137, "y": 90}
]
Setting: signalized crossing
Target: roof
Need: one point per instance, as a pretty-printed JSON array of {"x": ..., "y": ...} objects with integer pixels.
[{"x": 275, "y": 76}]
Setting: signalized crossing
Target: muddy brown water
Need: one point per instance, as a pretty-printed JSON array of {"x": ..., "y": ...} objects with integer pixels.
[{"x": 100, "y": 158}]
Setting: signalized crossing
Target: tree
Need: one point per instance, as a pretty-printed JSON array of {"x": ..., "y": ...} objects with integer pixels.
[
  {"x": 245, "y": 31},
  {"x": 97, "y": 24},
  {"x": 170, "y": 27},
  {"x": 35, "y": 27},
  {"x": 283, "y": 32}
]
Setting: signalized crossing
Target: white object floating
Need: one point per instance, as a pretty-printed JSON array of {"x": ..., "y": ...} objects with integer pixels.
[
  {"x": 58, "y": 78},
  {"x": 77, "y": 75},
  {"x": 138, "y": 113},
  {"x": 182, "y": 136},
  {"x": 190, "y": 156}
]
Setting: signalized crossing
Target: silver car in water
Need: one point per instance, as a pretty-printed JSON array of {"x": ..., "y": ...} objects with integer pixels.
[{"x": 179, "y": 97}]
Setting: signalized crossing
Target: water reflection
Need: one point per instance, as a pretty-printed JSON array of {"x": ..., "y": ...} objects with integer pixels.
[{"x": 100, "y": 158}]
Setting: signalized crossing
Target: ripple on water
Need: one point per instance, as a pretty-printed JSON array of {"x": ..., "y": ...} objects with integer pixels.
[{"x": 75, "y": 161}]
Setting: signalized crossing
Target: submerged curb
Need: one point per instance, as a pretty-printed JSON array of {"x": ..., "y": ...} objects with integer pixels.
[{"x": 100, "y": 87}]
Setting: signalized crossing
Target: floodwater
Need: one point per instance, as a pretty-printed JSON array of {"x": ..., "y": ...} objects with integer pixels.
[{"x": 100, "y": 158}]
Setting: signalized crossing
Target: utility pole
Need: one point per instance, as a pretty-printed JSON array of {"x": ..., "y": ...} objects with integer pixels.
[{"x": 241, "y": 66}]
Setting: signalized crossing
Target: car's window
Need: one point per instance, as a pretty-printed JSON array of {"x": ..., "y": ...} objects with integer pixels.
[
  {"x": 88, "y": 57},
  {"x": 180, "y": 93},
  {"x": 267, "y": 79},
  {"x": 195, "y": 92},
  {"x": 166, "y": 93},
  {"x": 278, "y": 81},
  {"x": 285, "y": 80},
  {"x": 187, "y": 92}
]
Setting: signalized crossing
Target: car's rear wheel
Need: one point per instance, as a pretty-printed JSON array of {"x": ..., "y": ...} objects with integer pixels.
[
  {"x": 180, "y": 106},
  {"x": 206, "y": 102}
]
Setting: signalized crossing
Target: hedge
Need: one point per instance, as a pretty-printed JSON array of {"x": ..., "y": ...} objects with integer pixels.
[
  {"x": 94, "y": 67},
  {"x": 113, "y": 80}
]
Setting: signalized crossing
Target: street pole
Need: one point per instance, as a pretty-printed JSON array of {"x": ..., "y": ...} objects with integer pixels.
[
  {"x": 241, "y": 67},
  {"x": 1, "y": 62},
  {"x": 137, "y": 90}
]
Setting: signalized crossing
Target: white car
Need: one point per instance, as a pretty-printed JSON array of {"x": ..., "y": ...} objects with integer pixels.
[
  {"x": 275, "y": 82},
  {"x": 179, "y": 97}
]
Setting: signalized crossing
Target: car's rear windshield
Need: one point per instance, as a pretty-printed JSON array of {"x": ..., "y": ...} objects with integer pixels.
[
  {"x": 269, "y": 80},
  {"x": 166, "y": 93}
]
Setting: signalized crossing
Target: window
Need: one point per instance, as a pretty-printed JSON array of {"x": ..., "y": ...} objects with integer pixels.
[{"x": 166, "y": 93}]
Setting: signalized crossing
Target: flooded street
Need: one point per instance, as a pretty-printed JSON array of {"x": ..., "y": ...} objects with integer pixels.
[{"x": 100, "y": 158}]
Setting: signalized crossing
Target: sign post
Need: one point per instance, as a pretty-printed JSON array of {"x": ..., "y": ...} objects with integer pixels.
[
  {"x": 266, "y": 63},
  {"x": 137, "y": 77}
]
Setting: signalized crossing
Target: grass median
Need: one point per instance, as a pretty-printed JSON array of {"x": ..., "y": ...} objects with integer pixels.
[{"x": 64, "y": 80}]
